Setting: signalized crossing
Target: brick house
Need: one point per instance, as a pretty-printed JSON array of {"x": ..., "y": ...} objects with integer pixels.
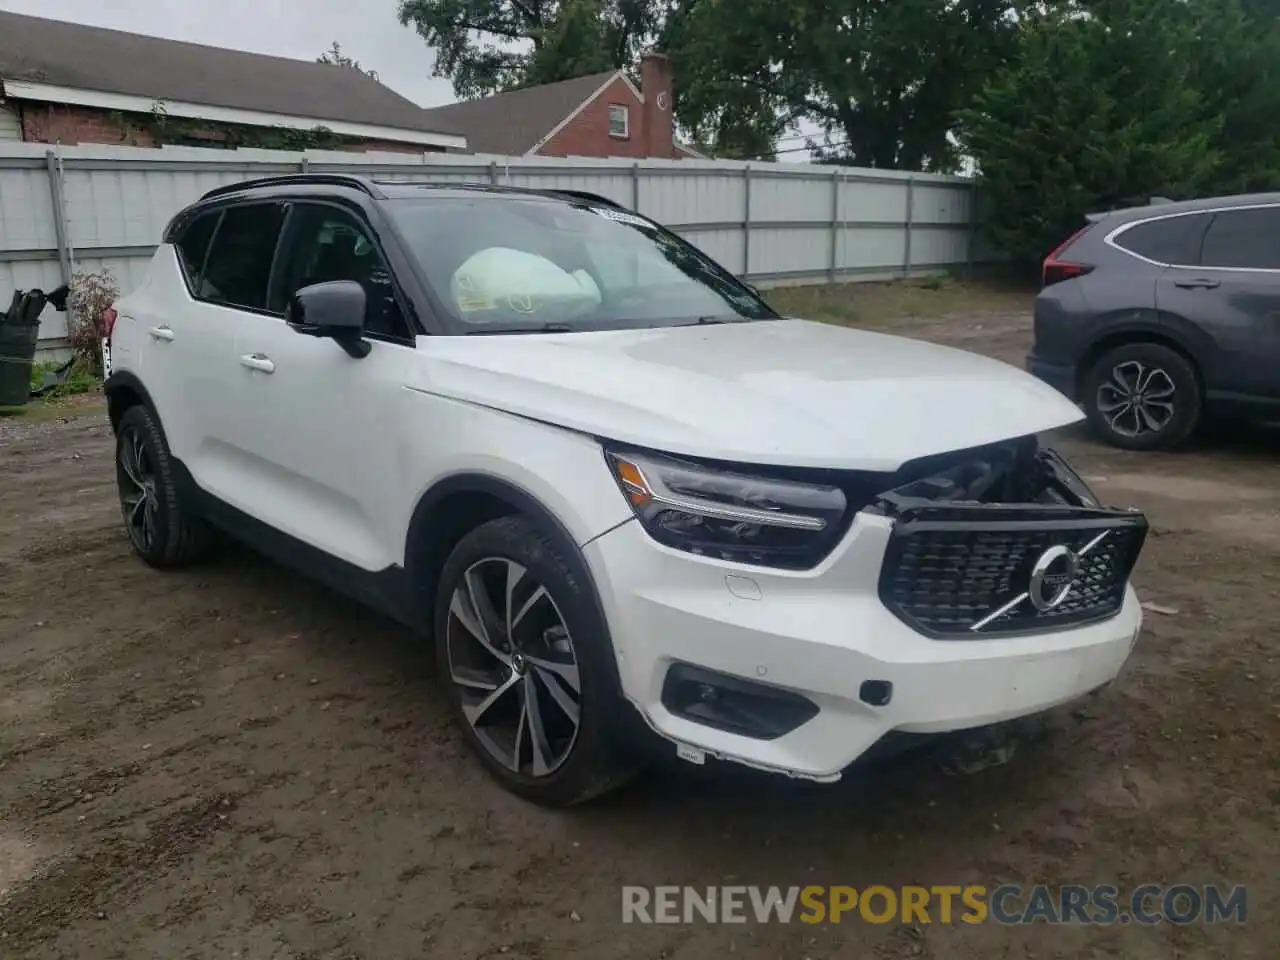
[
  {"x": 599, "y": 115},
  {"x": 69, "y": 83}
]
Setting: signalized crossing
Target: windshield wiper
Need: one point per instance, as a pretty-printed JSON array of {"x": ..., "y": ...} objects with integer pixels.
[
  {"x": 729, "y": 318},
  {"x": 545, "y": 328}
]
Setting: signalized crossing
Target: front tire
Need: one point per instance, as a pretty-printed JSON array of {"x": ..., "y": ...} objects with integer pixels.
[
  {"x": 528, "y": 664},
  {"x": 163, "y": 529},
  {"x": 1142, "y": 396}
]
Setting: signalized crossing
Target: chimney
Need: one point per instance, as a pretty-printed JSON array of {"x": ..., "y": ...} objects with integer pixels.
[{"x": 658, "y": 127}]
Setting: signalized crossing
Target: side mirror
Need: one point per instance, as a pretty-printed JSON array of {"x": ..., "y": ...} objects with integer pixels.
[{"x": 334, "y": 309}]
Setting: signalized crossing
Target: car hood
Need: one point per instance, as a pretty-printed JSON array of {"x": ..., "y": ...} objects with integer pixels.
[{"x": 787, "y": 392}]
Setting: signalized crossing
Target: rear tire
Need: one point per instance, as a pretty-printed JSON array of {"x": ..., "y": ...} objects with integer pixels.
[
  {"x": 163, "y": 528},
  {"x": 1142, "y": 396},
  {"x": 528, "y": 664}
]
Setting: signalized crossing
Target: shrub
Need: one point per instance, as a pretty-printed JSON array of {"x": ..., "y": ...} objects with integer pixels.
[
  {"x": 1108, "y": 103},
  {"x": 91, "y": 292}
]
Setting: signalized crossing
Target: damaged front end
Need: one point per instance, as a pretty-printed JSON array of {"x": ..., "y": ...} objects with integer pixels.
[{"x": 1003, "y": 541}]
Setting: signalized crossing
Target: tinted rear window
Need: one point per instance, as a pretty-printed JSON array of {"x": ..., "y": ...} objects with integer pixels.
[
  {"x": 1244, "y": 238},
  {"x": 1174, "y": 240},
  {"x": 194, "y": 244},
  {"x": 239, "y": 264}
]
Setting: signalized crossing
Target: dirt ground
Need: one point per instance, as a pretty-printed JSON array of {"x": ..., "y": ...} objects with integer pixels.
[{"x": 230, "y": 762}]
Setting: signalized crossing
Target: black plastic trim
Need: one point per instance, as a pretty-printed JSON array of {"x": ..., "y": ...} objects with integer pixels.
[
  {"x": 876, "y": 693},
  {"x": 124, "y": 380},
  {"x": 589, "y": 197},
  {"x": 1061, "y": 376},
  {"x": 782, "y": 711},
  {"x": 419, "y": 560},
  {"x": 424, "y": 559},
  {"x": 384, "y": 590},
  {"x": 298, "y": 179}
]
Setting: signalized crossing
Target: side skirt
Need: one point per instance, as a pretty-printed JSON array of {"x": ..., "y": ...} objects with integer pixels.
[{"x": 386, "y": 591}]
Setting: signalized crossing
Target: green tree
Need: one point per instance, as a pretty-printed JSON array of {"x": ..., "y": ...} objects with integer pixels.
[
  {"x": 335, "y": 57},
  {"x": 1235, "y": 64},
  {"x": 1110, "y": 102},
  {"x": 885, "y": 81},
  {"x": 487, "y": 46}
]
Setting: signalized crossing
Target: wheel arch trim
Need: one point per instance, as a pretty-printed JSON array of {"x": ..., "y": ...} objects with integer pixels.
[
  {"x": 124, "y": 380},
  {"x": 474, "y": 482},
  {"x": 1151, "y": 326},
  {"x": 419, "y": 562},
  {"x": 518, "y": 498}
]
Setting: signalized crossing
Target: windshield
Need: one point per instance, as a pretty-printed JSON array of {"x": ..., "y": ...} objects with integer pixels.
[{"x": 513, "y": 263}]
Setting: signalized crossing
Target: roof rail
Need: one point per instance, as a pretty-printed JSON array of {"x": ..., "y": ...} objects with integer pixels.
[
  {"x": 588, "y": 196},
  {"x": 294, "y": 179},
  {"x": 504, "y": 188}
]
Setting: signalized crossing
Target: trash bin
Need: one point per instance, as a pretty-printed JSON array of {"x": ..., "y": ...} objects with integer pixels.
[{"x": 19, "y": 331}]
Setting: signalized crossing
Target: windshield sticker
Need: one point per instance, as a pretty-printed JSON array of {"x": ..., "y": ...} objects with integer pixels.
[{"x": 618, "y": 216}]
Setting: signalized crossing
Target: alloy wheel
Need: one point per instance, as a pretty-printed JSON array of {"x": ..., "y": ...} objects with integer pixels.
[
  {"x": 512, "y": 659},
  {"x": 136, "y": 479},
  {"x": 1136, "y": 399}
]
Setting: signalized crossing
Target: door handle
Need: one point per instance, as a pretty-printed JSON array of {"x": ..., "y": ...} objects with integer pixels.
[
  {"x": 1197, "y": 283},
  {"x": 258, "y": 361},
  {"x": 161, "y": 333}
]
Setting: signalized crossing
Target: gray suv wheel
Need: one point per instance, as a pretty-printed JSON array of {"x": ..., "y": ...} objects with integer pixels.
[{"x": 1142, "y": 396}]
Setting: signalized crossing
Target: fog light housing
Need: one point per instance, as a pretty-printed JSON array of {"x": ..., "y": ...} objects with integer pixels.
[{"x": 733, "y": 704}]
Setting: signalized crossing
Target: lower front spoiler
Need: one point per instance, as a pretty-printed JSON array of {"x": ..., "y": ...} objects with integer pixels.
[{"x": 964, "y": 751}]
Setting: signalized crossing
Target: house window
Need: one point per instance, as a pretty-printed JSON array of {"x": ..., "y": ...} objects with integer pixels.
[{"x": 619, "y": 121}]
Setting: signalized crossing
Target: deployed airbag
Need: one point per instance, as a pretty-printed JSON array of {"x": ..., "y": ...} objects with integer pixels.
[{"x": 507, "y": 280}]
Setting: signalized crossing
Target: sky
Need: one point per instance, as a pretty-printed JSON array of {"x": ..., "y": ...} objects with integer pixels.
[{"x": 368, "y": 31}]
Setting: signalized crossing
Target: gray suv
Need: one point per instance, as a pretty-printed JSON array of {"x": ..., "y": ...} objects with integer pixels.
[{"x": 1154, "y": 316}]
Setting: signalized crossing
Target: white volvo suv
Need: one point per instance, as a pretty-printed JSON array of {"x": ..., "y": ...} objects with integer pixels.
[{"x": 628, "y": 502}]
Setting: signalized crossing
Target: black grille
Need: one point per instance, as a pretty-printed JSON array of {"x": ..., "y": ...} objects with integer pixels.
[{"x": 946, "y": 573}]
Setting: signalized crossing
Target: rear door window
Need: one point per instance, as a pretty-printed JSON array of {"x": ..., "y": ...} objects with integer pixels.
[
  {"x": 1170, "y": 240},
  {"x": 238, "y": 268},
  {"x": 1244, "y": 239},
  {"x": 194, "y": 244}
]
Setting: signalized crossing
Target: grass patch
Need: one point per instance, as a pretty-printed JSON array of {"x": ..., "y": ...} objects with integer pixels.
[
  {"x": 876, "y": 305},
  {"x": 79, "y": 393},
  {"x": 40, "y": 369},
  {"x": 80, "y": 379}
]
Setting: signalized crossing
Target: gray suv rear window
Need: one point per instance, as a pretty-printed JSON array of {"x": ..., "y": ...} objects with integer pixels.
[
  {"x": 1172, "y": 240},
  {"x": 1244, "y": 238}
]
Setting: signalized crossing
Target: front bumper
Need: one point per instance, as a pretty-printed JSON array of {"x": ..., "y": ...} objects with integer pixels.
[
  {"x": 1060, "y": 376},
  {"x": 824, "y": 633}
]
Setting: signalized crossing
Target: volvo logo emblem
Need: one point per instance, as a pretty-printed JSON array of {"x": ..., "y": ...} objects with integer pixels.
[{"x": 1052, "y": 576}]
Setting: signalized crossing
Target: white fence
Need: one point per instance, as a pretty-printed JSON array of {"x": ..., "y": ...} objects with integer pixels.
[{"x": 92, "y": 207}]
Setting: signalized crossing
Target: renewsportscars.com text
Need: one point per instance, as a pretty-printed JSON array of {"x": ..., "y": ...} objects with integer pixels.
[{"x": 1007, "y": 904}]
